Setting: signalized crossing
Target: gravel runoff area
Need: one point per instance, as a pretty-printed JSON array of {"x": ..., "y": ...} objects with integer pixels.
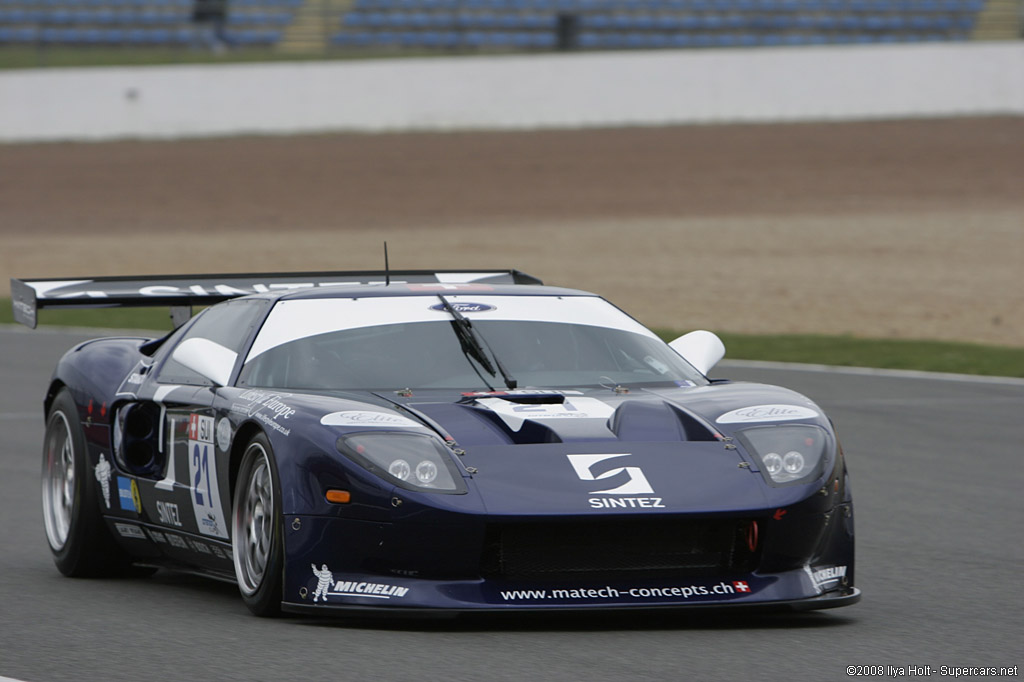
[{"x": 894, "y": 229}]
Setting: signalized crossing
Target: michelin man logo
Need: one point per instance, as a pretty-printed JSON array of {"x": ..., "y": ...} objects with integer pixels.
[
  {"x": 636, "y": 483},
  {"x": 325, "y": 585},
  {"x": 102, "y": 471},
  {"x": 324, "y": 580}
]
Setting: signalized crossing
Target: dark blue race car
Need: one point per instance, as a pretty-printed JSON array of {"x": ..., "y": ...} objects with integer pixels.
[{"x": 443, "y": 441}]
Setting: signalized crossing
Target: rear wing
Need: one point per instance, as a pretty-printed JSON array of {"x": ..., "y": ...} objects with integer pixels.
[{"x": 181, "y": 292}]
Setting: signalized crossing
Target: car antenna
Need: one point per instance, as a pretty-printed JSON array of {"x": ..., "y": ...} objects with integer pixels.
[{"x": 387, "y": 270}]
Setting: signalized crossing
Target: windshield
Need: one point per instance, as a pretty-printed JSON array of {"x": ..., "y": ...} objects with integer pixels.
[{"x": 545, "y": 342}]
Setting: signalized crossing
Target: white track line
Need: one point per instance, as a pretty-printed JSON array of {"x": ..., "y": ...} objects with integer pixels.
[{"x": 870, "y": 371}]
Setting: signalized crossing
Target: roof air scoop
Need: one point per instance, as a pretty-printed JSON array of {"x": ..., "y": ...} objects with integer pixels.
[{"x": 656, "y": 421}]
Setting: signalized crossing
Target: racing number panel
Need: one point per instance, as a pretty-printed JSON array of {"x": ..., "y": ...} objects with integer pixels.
[{"x": 176, "y": 487}]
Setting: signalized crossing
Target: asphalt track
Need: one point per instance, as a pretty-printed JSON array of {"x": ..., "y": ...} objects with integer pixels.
[{"x": 937, "y": 475}]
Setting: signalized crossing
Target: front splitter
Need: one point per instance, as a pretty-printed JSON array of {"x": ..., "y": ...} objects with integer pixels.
[{"x": 829, "y": 600}]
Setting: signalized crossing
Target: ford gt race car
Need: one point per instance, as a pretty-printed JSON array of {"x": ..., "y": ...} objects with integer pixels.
[{"x": 432, "y": 442}]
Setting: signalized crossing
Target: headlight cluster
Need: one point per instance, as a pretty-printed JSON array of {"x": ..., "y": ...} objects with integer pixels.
[
  {"x": 793, "y": 453},
  {"x": 411, "y": 461}
]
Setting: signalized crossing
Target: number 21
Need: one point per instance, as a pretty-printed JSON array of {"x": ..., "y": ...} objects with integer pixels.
[{"x": 202, "y": 464}]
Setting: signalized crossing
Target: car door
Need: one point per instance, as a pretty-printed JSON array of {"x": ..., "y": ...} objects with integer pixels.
[{"x": 165, "y": 440}]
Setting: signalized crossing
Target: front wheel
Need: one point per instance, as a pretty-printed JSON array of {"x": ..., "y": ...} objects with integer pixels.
[
  {"x": 256, "y": 537},
  {"x": 80, "y": 542}
]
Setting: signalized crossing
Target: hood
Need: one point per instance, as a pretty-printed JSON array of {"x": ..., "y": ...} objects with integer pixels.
[
  {"x": 532, "y": 417},
  {"x": 573, "y": 452}
]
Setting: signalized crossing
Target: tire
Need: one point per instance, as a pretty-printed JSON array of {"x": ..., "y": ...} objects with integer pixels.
[
  {"x": 79, "y": 540},
  {"x": 256, "y": 534}
]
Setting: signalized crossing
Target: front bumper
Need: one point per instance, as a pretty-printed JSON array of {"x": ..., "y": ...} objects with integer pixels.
[
  {"x": 801, "y": 561},
  {"x": 790, "y": 591}
]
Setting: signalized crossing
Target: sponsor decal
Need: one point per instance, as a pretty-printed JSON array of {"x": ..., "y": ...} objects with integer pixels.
[
  {"x": 224, "y": 434},
  {"x": 515, "y": 415},
  {"x": 464, "y": 307},
  {"x": 267, "y": 408},
  {"x": 368, "y": 418},
  {"x": 229, "y": 287},
  {"x": 26, "y": 310},
  {"x": 269, "y": 421},
  {"x": 200, "y": 428},
  {"x": 129, "y": 531},
  {"x": 627, "y": 594},
  {"x": 156, "y": 536},
  {"x": 324, "y": 580},
  {"x": 216, "y": 551},
  {"x": 130, "y": 386},
  {"x": 102, "y": 472},
  {"x": 631, "y": 482},
  {"x": 200, "y": 547},
  {"x": 128, "y": 494},
  {"x": 229, "y": 290},
  {"x": 626, "y": 503},
  {"x": 202, "y": 471},
  {"x": 209, "y": 525},
  {"x": 766, "y": 413},
  {"x": 327, "y": 586},
  {"x": 828, "y": 577},
  {"x": 168, "y": 513},
  {"x": 176, "y": 541}
]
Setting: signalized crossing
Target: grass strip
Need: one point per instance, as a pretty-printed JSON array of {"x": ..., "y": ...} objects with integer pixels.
[
  {"x": 850, "y": 351},
  {"x": 58, "y": 56},
  {"x": 930, "y": 356},
  {"x": 104, "y": 318}
]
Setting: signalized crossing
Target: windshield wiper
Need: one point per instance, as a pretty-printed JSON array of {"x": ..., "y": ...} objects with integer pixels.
[{"x": 473, "y": 344}]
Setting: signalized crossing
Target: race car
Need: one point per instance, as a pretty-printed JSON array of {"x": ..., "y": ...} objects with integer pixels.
[{"x": 432, "y": 442}]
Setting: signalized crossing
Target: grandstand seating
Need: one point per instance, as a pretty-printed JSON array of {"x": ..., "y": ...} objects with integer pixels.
[
  {"x": 137, "y": 22},
  {"x": 502, "y": 24},
  {"x": 626, "y": 24}
]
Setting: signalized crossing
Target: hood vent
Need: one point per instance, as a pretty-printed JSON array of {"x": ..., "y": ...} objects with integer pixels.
[{"x": 656, "y": 421}]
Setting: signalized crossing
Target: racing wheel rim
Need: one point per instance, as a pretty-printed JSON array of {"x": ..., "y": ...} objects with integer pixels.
[
  {"x": 254, "y": 522},
  {"x": 58, "y": 480}
]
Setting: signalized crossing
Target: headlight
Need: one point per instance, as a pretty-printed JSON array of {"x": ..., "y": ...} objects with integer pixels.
[
  {"x": 794, "y": 453},
  {"x": 411, "y": 461}
]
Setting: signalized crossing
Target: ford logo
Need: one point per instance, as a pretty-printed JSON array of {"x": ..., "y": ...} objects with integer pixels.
[{"x": 466, "y": 307}]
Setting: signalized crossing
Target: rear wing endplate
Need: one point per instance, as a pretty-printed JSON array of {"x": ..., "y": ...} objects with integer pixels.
[{"x": 181, "y": 292}]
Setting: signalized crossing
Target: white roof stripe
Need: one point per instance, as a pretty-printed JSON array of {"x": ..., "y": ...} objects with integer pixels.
[{"x": 291, "y": 320}]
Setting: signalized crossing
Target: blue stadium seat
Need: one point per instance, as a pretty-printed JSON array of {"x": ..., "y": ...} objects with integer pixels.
[{"x": 618, "y": 24}]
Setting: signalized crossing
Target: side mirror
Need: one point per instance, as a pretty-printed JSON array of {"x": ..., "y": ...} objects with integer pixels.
[
  {"x": 700, "y": 348},
  {"x": 208, "y": 359}
]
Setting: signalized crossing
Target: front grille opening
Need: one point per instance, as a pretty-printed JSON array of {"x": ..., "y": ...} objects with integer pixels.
[{"x": 639, "y": 548}]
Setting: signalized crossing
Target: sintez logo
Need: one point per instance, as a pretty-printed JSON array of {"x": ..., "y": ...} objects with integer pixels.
[{"x": 635, "y": 484}]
